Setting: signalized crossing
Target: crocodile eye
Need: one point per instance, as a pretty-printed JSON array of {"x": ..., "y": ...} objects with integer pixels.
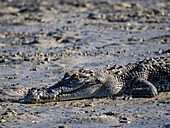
[{"x": 74, "y": 76}]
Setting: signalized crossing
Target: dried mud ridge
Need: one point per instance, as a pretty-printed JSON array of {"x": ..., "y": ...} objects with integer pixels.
[{"x": 41, "y": 40}]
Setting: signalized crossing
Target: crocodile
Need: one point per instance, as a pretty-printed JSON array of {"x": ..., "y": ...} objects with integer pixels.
[{"x": 145, "y": 78}]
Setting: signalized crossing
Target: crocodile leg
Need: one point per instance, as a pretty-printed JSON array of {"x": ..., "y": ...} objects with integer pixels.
[{"x": 143, "y": 88}]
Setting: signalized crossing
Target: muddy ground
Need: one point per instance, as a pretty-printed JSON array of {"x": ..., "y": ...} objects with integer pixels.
[{"x": 40, "y": 40}]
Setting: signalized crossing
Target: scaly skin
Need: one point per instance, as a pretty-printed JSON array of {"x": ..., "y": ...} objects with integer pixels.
[{"x": 141, "y": 79}]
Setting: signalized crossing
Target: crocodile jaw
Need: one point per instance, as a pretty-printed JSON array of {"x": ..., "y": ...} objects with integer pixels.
[
  {"x": 38, "y": 96},
  {"x": 84, "y": 91},
  {"x": 75, "y": 86}
]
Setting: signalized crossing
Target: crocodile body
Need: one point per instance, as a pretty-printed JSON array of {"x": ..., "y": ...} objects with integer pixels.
[{"x": 144, "y": 78}]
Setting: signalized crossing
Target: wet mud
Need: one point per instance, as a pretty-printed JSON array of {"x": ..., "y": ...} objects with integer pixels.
[{"x": 40, "y": 40}]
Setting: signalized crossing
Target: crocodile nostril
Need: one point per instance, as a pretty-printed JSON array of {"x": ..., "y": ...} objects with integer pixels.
[{"x": 67, "y": 74}]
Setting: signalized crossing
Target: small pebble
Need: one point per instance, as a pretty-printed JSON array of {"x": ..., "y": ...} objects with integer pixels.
[
  {"x": 35, "y": 122},
  {"x": 124, "y": 120},
  {"x": 63, "y": 126},
  {"x": 34, "y": 69},
  {"x": 111, "y": 113},
  {"x": 2, "y": 121}
]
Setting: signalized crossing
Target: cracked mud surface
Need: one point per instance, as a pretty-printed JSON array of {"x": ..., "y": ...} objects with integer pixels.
[{"x": 41, "y": 40}]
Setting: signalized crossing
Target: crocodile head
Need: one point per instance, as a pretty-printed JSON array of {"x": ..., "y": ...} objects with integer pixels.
[{"x": 80, "y": 85}]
